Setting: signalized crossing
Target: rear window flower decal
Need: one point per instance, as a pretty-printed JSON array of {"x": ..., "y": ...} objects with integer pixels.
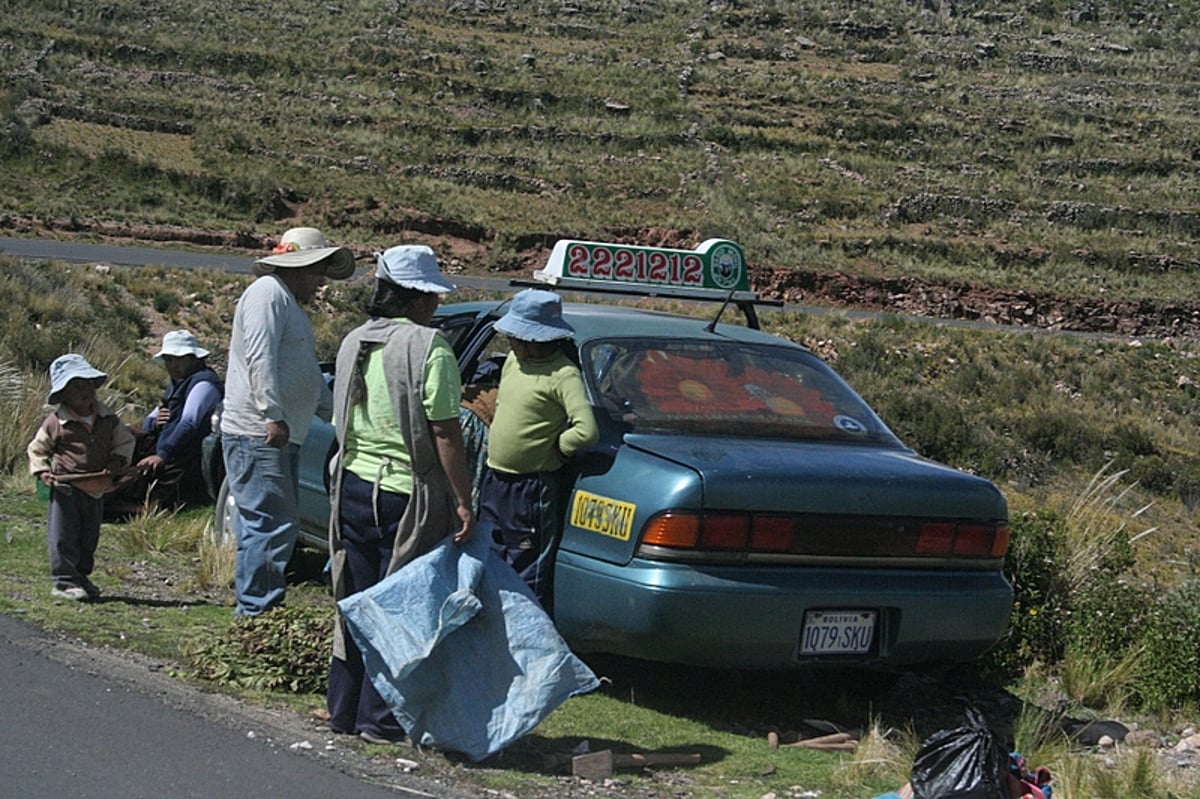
[
  {"x": 683, "y": 384},
  {"x": 675, "y": 383}
]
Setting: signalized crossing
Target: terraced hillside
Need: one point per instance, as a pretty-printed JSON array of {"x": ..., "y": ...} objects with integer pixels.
[{"x": 1031, "y": 162}]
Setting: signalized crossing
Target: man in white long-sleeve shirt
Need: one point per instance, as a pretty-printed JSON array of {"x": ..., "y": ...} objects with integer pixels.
[{"x": 273, "y": 386}]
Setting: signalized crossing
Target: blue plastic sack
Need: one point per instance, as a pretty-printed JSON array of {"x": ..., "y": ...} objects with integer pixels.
[{"x": 461, "y": 651}]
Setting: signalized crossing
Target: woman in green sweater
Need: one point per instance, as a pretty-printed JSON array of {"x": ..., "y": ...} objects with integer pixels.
[{"x": 543, "y": 417}]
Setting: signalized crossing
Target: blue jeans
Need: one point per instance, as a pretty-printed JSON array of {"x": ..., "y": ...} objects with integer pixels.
[{"x": 264, "y": 483}]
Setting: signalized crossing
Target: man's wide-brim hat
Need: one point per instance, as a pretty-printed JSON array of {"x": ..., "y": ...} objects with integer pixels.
[
  {"x": 70, "y": 367},
  {"x": 179, "y": 343},
  {"x": 305, "y": 246},
  {"x": 535, "y": 315}
]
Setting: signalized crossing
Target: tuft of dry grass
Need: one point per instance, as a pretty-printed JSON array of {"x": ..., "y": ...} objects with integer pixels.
[
  {"x": 157, "y": 530},
  {"x": 215, "y": 560},
  {"x": 883, "y": 756},
  {"x": 1098, "y": 679}
]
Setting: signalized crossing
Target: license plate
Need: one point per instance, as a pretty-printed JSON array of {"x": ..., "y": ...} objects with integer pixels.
[{"x": 837, "y": 632}]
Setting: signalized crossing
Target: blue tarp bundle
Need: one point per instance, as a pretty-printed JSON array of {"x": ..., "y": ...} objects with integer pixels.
[{"x": 460, "y": 649}]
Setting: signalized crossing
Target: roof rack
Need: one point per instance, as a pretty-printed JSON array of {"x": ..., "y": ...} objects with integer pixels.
[{"x": 713, "y": 272}]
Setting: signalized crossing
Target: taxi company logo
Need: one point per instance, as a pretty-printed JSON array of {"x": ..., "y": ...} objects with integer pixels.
[
  {"x": 726, "y": 268},
  {"x": 610, "y": 517}
]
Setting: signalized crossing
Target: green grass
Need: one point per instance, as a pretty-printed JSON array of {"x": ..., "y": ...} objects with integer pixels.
[{"x": 146, "y": 608}]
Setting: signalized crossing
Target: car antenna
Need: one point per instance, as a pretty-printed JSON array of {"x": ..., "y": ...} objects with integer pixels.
[{"x": 711, "y": 326}]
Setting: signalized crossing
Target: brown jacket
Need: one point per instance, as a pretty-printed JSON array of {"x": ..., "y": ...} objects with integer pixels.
[{"x": 64, "y": 444}]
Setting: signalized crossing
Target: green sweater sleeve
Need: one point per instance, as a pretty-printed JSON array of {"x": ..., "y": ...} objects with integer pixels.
[{"x": 582, "y": 431}]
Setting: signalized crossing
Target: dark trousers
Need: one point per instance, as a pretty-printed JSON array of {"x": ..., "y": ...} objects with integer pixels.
[
  {"x": 526, "y": 511},
  {"x": 72, "y": 534},
  {"x": 368, "y": 533}
]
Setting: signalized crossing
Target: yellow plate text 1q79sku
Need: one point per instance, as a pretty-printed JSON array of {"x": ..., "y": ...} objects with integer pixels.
[{"x": 610, "y": 517}]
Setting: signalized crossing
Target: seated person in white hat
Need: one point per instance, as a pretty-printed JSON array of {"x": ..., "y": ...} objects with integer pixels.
[{"x": 172, "y": 435}]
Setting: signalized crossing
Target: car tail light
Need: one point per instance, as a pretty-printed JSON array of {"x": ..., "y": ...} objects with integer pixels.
[
  {"x": 676, "y": 530},
  {"x": 724, "y": 531},
  {"x": 771, "y": 534},
  {"x": 1000, "y": 542},
  {"x": 826, "y": 535},
  {"x": 963, "y": 539},
  {"x": 936, "y": 538},
  {"x": 720, "y": 531},
  {"x": 974, "y": 540}
]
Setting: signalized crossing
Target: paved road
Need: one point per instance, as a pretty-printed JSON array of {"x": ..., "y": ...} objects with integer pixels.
[
  {"x": 84, "y": 723},
  {"x": 84, "y": 253},
  {"x": 79, "y": 252}
]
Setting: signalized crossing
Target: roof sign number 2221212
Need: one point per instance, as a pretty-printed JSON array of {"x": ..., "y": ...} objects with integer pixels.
[{"x": 837, "y": 632}]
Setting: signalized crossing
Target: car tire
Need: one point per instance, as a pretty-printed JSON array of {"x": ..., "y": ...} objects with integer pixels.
[{"x": 224, "y": 526}]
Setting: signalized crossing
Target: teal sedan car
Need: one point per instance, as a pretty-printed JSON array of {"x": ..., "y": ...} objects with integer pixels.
[{"x": 744, "y": 507}]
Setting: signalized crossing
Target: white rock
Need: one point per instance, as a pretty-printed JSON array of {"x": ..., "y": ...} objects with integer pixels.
[{"x": 1189, "y": 743}]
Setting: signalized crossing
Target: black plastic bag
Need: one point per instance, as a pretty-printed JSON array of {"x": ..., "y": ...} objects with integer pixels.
[{"x": 962, "y": 763}]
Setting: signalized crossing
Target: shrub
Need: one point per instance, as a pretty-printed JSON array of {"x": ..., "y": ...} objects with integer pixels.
[
  {"x": 1187, "y": 485},
  {"x": 1171, "y": 640},
  {"x": 1106, "y": 613},
  {"x": 1076, "y": 608},
  {"x": 1153, "y": 473},
  {"x": 1132, "y": 440},
  {"x": 935, "y": 426},
  {"x": 1064, "y": 433},
  {"x": 1040, "y": 602}
]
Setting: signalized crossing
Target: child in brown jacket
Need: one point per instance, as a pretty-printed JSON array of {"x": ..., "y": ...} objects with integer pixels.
[{"x": 76, "y": 452}]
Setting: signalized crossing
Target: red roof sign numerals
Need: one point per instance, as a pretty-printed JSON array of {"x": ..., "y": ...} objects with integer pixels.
[{"x": 715, "y": 264}]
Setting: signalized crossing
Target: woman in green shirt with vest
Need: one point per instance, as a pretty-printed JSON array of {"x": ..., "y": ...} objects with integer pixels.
[{"x": 399, "y": 483}]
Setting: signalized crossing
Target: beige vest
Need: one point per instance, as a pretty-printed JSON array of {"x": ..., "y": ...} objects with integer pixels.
[{"x": 430, "y": 515}]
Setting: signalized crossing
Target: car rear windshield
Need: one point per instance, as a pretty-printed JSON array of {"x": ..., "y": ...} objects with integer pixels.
[{"x": 725, "y": 388}]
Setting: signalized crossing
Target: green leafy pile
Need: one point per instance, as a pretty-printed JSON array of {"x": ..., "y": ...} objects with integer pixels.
[{"x": 284, "y": 650}]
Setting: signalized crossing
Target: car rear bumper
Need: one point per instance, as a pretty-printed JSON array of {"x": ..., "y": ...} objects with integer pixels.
[{"x": 751, "y": 617}]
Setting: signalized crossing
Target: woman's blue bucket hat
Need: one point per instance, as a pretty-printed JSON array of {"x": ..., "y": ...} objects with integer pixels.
[{"x": 535, "y": 315}]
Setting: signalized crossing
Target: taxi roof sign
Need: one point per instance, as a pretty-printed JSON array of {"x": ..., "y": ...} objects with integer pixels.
[{"x": 715, "y": 270}]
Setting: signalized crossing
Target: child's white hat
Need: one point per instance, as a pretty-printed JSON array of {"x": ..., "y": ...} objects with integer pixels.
[{"x": 69, "y": 367}]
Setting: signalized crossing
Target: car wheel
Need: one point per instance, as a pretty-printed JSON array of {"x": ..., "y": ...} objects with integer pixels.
[{"x": 224, "y": 522}]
